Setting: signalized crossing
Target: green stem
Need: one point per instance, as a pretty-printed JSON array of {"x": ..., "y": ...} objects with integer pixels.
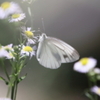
[
  {"x": 6, "y": 73},
  {"x": 5, "y": 70},
  {"x": 16, "y": 68},
  {"x": 12, "y": 93},
  {"x": 15, "y": 82},
  {"x": 16, "y": 87},
  {"x": 9, "y": 91},
  {"x": 89, "y": 82},
  {"x": 96, "y": 97}
]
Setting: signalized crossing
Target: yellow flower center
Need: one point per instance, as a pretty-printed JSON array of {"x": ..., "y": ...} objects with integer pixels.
[
  {"x": 29, "y": 34},
  {"x": 5, "y": 5},
  {"x": 84, "y": 61},
  {"x": 15, "y": 16},
  {"x": 98, "y": 91},
  {"x": 28, "y": 48},
  {"x": 11, "y": 55}
]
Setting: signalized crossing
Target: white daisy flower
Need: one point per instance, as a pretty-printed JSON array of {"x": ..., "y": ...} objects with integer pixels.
[
  {"x": 10, "y": 55},
  {"x": 5, "y": 99},
  {"x": 94, "y": 71},
  {"x": 28, "y": 33},
  {"x": 7, "y": 51},
  {"x": 3, "y": 52},
  {"x": 8, "y": 8},
  {"x": 97, "y": 70},
  {"x": 95, "y": 90},
  {"x": 2, "y": 14},
  {"x": 17, "y": 17},
  {"x": 85, "y": 65},
  {"x": 8, "y": 47},
  {"x": 27, "y": 51}
]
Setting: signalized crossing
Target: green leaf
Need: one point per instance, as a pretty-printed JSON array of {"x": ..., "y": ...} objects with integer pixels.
[
  {"x": 22, "y": 78},
  {"x": 1, "y": 78}
]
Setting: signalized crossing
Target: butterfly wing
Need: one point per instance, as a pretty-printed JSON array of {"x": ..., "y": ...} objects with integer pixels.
[
  {"x": 66, "y": 52},
  {"x": 52, "y": 52},
  {"x": 47, "y": 55}
]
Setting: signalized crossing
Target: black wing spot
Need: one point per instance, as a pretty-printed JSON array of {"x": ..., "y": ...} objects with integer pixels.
[{"x": 65, "y": 56}]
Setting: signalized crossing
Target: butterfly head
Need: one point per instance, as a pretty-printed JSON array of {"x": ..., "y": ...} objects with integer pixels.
[{"x": 42, "y": 37}]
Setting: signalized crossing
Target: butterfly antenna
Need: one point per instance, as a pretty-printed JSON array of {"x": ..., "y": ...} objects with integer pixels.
[{"x": 43, "y": 25}]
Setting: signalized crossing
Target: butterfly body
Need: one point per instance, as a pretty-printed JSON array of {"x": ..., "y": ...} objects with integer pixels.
[{"x": 52, "y": 52}]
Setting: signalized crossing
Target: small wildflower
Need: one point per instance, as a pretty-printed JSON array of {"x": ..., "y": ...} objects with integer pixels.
[
  {"x": 8, "y": 47},
  {"x": 91, "y": 72},
  {"x": 27, "y": 51},
  {"x": 6, "y": 51},
  {"x": 28, "y": 33},
  {"x": 17, "y": 17},
  {"x": 97, "y": 70},
  {"x": 10, "y": 55},
  {"x": 96, "y": 90},
  {"x": 3, "y": 52},
  {"x": 28, "y": 48},
  {"x": 94, "y": 71},
  {"x": 85, "y": 65},
  {"x": 8, "y": 8}
]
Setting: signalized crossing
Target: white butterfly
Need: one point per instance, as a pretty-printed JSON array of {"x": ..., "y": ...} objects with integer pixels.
[{"x": 51, "y": 52}]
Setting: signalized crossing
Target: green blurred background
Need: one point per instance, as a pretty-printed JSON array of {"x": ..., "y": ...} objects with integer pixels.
[{"x": 76, "y": 22}]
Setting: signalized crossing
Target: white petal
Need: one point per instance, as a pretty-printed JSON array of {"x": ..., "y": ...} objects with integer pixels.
[
  {"x": 95, "y": 90},
  {"x": 85, "y": 68},
  {"x": 97, "y": 70}
]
